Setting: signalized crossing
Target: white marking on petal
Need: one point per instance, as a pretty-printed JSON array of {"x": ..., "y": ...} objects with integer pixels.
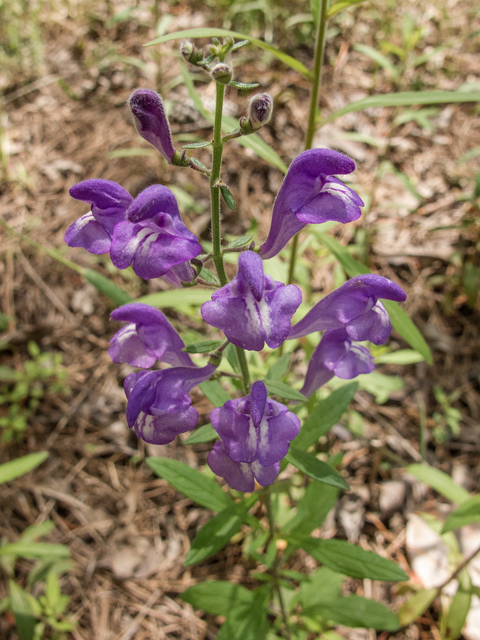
[
  {"x": 126, "y": 333},
  {"x": 148, "y": 241},
  {"x": 253, "y": 318},
  {"x": 381, "y": 312},
  {"x": 146, "y": 425},
  {"x": 361, "y": 353},
  {"x": 340, "y": 191},
  {"x": 132, "y": 244},
  {"x": 264, "y": 311},
  {"x": 252, "y": 437},
  {"x": 263, "y": 444},
  {"x": 84, "y": 220}
]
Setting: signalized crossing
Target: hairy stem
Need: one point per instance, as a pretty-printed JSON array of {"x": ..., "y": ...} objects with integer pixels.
[
  {"x": 275, "y": 566},
  {"x": 312, "y": 116},
  {"x": 214, "y": 190},
  {"x": 215, "y": 209}
]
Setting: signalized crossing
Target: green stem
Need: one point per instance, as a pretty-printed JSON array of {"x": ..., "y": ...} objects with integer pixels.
[
  {"x": 242, "y": 361},
  {"x": 312, "y": 116},
  {"x": 214, "y": 190},
  {"x": 275, "y": 566},
  {"x": 216, "y": 227}
]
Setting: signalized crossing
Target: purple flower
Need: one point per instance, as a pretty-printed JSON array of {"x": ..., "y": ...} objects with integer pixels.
[
  {"x": 159, "y": 405},
  {"x": 338, "y": 355},
  {"x": 356, "y": 307},
  {"x": 310, "y": 194},
  {"x": 253, "y": 308},
  {"x": 151, "y": 121},
  {"x": 255, "y": 428},
  {"x": 148, "y": 337},
  {"x": 155, "y": 238},
  {"x": 109, "y": 202},
  {"x": 240, "y": 476}
]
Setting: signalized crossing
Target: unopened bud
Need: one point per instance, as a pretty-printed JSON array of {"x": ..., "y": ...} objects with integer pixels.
[
  {"x": 222, "y": 73},
  {"x": 151, "y": 121},
  {"x": 260, "y": 110},
  {"x": 190, "y": 52}
]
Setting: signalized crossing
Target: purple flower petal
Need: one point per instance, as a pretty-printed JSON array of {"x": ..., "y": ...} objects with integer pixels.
[
  {"x": 108, "y": 199},
  {"x": 255, "y": 428},
  {"x": 239, "y": 475},
  {"x": 148, "y": 337},
  {"x": 253, "y": 308},
  {"x": 151, "y": 122},
  {"x": 353, "y": 306},
  {"x": 336, "y": 355},
  {"x": 86, "y": 232},
  {"x": 152, "y": 201},
  {"x": 309, "y": 193},
  {"x": 159, "y": 405}
]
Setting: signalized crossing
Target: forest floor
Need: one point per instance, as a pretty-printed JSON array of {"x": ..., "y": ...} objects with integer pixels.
[{"x": 64, "y": 119}]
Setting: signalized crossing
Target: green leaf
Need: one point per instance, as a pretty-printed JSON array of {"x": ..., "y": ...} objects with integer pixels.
[
  {"x": 192, "y": 483},
  {"x": 7, "y": 374},
  {"x": 244, "y": 85},
  {"x": 107, "y": 287},
  {"x": 240, "y": 242},
  {"x": 227, "y": 196},
  {"x": 404, "y": 99},
  {"x": 402, "y": 356},
  {"x": 24, "y": 612},
  {"x": 312, "y": 509},
  {"x": 242, "y": 624},
  {"x": 315, "y": 468},
  {"x": 205, "y": 32},
  {"x": 416, "y": 605},
  {"x": 324, "y": 416},
  {"x": 459, "y": 608},
  {"x": 196, "y": 145},
  {"x": 209, "y": 276},
  {"x": 400, "y": 319},
  {"x": 35, "y": 550},
  {"x": 177, "y": 298},
  {"x": 350, "y": 560},
  {"x": 404, "y": 325},
  {"x": 279, "y": 367},
  {"x": 341, "y": 5},
  {"x": 20, "y": 466},
  {"x": 130, "y": 152},
  {"x": 205, "y": 346},
  {"x": 379, "y": 58},
  {"x": 439, "y": 481},
  {"x": 202, "y": 434},
  {"x": 218, "y": 597},
  {"x": 355, "y": 611},
  {"x": 214, "y": 392},
  {"x": 321, "y": 585},
  {"x": 214, "y": 535},
  {"x": 232, "y": 358},
  {"x": 466, "y": 514},
  {"x": 315, "y": 9},
  {"x": 284, "y": 390}
]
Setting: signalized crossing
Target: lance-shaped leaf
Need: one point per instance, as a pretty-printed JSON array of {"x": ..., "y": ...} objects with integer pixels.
[
  {"x": 355, "y": 611},
  {"x": 315, "y": 468},
  {"x": 192, "y": 483},
  {"x": 350, "y": 560}
]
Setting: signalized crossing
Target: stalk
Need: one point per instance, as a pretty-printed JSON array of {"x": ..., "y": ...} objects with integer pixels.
[
  {"x": 215, "y": 216},
  {"x": 312, "y": 116}
]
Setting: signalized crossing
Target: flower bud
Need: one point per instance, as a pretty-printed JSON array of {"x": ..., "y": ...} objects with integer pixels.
[
  {"x": 151, "y": 121},
  {"x": 190, "y": 52},
  {"x": 260, "y": 110},
  {"x": 222, "y": 73}
]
